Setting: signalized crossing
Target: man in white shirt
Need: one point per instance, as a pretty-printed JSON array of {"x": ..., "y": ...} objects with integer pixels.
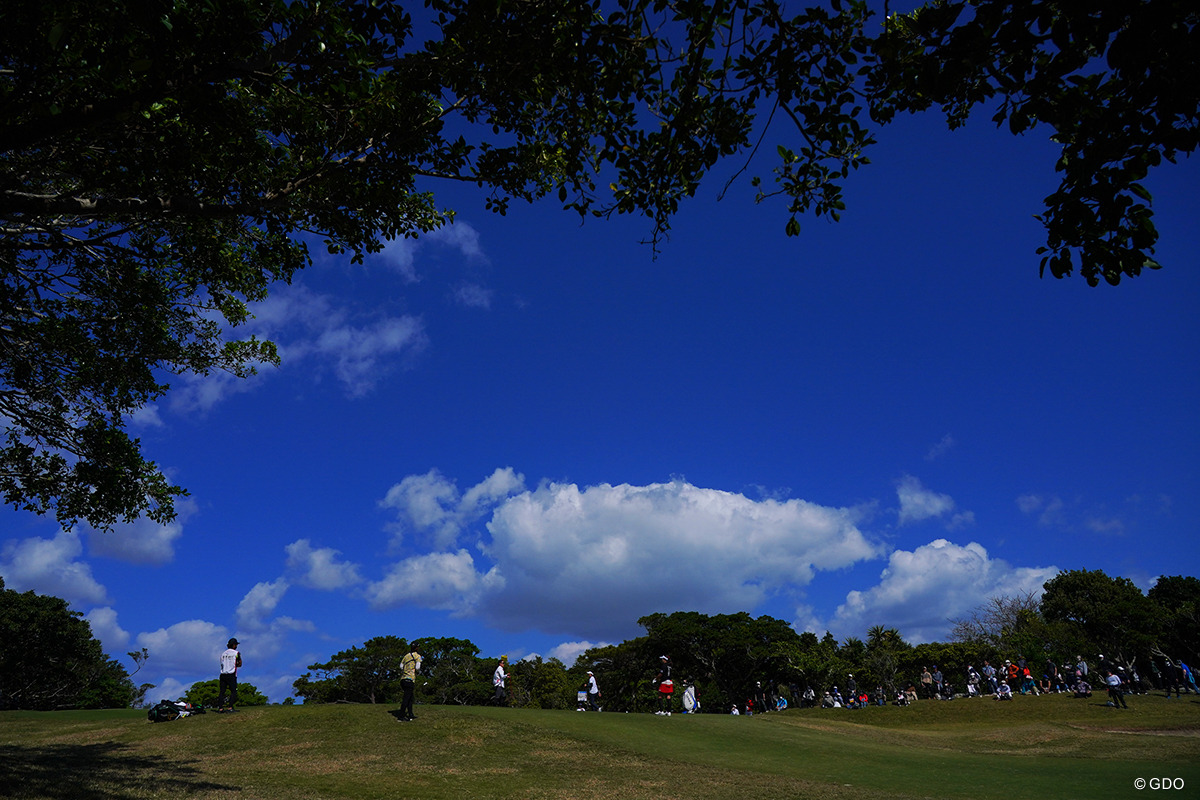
[
  {"x": 231, "y": 659},
  {"x": 593, "y": 692},
  {"x": 501, "y": 696}
]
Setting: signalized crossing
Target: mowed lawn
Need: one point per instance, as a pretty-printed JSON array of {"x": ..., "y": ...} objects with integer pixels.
[{"x": 1044, "y": 747}]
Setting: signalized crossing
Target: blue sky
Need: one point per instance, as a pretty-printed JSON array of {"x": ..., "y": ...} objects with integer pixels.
[{"x": 529, "y": 433}]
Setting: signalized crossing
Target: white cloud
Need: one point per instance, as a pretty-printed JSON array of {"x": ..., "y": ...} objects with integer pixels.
[
  {"x": 400, "y": 255},
  {"x": 567, "y": 652},
  {"x": 146, "y": 417},
  {"x": 592, "y": 561},
  {"x": 49, "y": 566},
  {"x": 921, "y": 590},
  {"x": 309, "y": 329},
  {"x": 442, "y": 581},
  {"x": 461, "y": 237},
  {"x": 105, "y": 628},
  {"x": 359, "y": 354},
  {"x": 259, "y": 603},
  {"x": 431, "y": 507},
  {"x": 191, "y": 647},
  {"x": 918, "y": 503},
  {"x": 472, "y": 295},
  {"x": 320, "y": 568},
  {"x": 142, "y": 541},
  {"x": 1111, "y": 526},
  {"x": 168, "y": 689}
]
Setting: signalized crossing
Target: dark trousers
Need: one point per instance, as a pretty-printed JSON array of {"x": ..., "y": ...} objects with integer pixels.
[
  {"x": 406, "y": 705},
  {"x": 1117, "y": 696},
  {"x": 227, "y": 683}
]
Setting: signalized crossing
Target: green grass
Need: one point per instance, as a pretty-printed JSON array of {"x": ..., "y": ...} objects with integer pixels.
[{"x": 1046, "y": 747}]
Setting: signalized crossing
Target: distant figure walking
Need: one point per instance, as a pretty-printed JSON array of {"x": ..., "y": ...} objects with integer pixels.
[
  {"x": 500, "y": 696},
  {"x": 593, "y": 692},
  {"x": 231, "y": 659},
  {"x": 1116, "y": 695}
]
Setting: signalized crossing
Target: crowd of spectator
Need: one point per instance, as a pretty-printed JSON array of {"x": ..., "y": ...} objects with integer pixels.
[{"x": 1001, "y": 681}]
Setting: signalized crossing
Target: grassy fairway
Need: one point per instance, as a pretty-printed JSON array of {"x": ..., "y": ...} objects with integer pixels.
[{"x": 1046, "y": 747}]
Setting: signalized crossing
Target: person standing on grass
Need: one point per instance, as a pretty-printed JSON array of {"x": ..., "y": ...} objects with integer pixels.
[
  {"x": 927, "y": 683},
  {"x": 500, "y": 696},
  {"x": 989, "y": 676},
  {"x": 231, "y": 660},
  {"x": 1115, "y": 695},
  {"x": 666, "y": 687},
  {"x": 593, "y": 692},
  {"x": 410, "y": 665}
]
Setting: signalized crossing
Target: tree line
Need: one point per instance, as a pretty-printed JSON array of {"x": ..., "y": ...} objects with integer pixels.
[
  {"x": 727, "y": 656},
  {"x": 50, "y": 658}
]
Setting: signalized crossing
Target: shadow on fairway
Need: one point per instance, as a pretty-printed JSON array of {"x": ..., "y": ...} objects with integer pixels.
[{"x": 96, "y": 772}]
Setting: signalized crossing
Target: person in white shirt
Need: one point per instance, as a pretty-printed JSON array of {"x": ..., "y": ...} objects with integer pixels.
[
  {"x": 593, "y": 692},
  {"x": 231, "y": 659},
  {"x": 501, "y": 696}
]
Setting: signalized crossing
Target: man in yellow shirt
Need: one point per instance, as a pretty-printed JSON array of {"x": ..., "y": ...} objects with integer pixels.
[{"x": 410, "y": 665}]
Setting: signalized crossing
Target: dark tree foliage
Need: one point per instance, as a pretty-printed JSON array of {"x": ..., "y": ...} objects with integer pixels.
[
  {"x": 537, "y": 683},
  {"x": 49, "y": 659},
  {"x": 206, "y": 693},
  {"x": 452, "y": 672},
  {"x": 163, "y": 164},
  {"x": 1116, "y": 83},
  {"x": 1178, "y": 601},
  {"x": 1112, "y": 613},
  {"x": 367, "y": 674}
]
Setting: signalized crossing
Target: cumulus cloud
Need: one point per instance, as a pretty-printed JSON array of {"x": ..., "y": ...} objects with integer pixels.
[
  {"x": 593, "y": 560},
  {"x": 142, "y": 541},
  {"x": 320, "y": 568},
  {"x": 191, "y": 647},
  {"x": 50, "y": 566},
  {"x": 431, "y": 506},
  {"x": 105, "y": 628},
  {"x": 442, "y": 581},
  {"x": 918, "y": 503},
  {"x": 921, "y": 590},
  {"x": 259, "y": 603}
]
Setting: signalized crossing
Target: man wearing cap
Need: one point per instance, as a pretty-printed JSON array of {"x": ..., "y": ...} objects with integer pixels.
[
  {"x": 593, "y": 692},
  {"x": 231, "y": 659}
]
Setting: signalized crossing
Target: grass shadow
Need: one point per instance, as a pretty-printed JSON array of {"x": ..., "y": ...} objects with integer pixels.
[{"x": 100, "y": 771}]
